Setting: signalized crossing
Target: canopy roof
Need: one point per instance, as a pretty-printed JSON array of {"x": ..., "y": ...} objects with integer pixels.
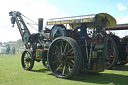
[{"x": 98, "y": 19}]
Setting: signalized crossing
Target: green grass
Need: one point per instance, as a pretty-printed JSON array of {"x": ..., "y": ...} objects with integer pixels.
[{"x": 12, "y": 73}]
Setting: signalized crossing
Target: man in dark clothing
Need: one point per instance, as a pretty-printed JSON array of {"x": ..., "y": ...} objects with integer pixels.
[{"x": 8, "y": 49}]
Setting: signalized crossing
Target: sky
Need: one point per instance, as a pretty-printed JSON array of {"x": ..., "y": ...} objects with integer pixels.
[{"x": 47, "y": 9}]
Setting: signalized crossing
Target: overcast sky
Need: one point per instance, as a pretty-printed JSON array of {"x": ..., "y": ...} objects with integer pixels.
[{"x": 47, "y": 9}]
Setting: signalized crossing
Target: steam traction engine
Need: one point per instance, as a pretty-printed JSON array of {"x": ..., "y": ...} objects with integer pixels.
[
  {"x": 73, "y": 44},
  {"x": 122, "y": 43}
]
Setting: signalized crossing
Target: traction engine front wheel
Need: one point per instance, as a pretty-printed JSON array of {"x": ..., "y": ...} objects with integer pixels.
[
  {"x": 64, "y": 57},
  {"x": 27, "y": 60}
]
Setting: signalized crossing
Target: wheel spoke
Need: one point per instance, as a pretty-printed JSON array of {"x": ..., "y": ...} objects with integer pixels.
[
  {"x": 55, "y": 61},
  {"x": 63, "y": 69},
  {"x": 54, "y": 54},
  {"x": 72, "y": 61},
  {"x": 69, "y": 51},
  {"x": 61, "y": 49},
  {"x": 24, "y": 59},
  {"x": 62, "y": 44},
  {"x": 59, "y": 67},
  {"x": 65, "y": 48},
  {"x": 25, "y": 56},
  {"x": 70, "y": 64},
  {"x": 72, "y": 52},
  {"x": 69, "y": 68},
  {"x": 70, "y": 56},
  {"x": 27, "y": 64},
  {"x": 57, "y": 48}
]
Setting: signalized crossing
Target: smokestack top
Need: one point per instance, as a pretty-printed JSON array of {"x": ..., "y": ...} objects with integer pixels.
[{"x": 40, "y": 19}]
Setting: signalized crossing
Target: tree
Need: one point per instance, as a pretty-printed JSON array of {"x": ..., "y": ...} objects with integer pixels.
[{"x": 19, "y": 43}]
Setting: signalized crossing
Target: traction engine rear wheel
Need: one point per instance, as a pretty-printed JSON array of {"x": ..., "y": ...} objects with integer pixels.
[
  {"x": 27, "y": 60},
  {"x": 64, "y": 57}
]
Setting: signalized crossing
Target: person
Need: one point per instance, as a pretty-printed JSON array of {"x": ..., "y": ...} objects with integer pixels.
[
  {"x": 8, "y": 49},
  {"x": 83, "y": 32},
  {"x": 13, "y": 50}
]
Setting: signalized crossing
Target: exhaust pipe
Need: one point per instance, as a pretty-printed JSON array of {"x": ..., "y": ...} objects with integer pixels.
[{"x": 40, "y": 24}]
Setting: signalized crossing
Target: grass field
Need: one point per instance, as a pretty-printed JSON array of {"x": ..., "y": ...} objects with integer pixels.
[{"x": 12, "y": 73}]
